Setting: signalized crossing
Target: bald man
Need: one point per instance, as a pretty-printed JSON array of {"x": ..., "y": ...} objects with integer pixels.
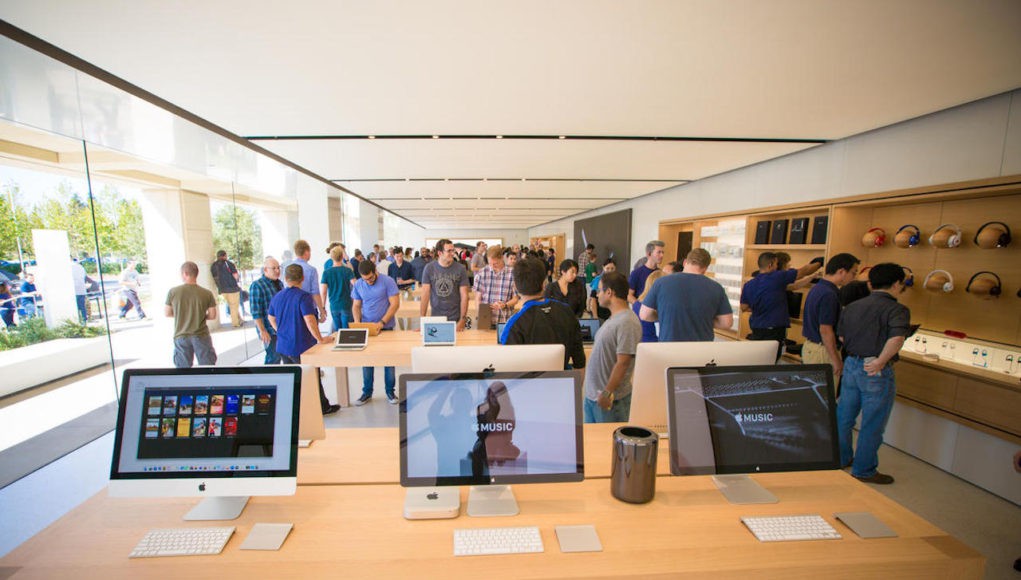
[{"x": 260, "y": 294}]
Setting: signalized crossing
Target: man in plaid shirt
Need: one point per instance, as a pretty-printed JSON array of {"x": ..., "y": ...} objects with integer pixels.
[
  {"x": 261, "y": 292},
  {"x": 494, "y": 285}
]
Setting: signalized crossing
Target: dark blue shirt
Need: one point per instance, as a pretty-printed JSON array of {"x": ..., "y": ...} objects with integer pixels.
[
  {"x": 26, "y": 288},
  {"x": 289, "y": 307},
  {"x": 648, "y": 328},
  {"x": 767, "y": 295},
  {"x": 418, "y": 266},
  {"x": 822, "y": 306},
  {"x": 638, "y": 277},
  {"x": 405, "y": 272}
]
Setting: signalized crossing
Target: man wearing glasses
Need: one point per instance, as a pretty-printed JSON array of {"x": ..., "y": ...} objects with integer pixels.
[{"x": 445, "y": 286}]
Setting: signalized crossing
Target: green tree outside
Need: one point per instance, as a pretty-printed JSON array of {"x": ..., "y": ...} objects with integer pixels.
[{"x": 236, "y": 230}]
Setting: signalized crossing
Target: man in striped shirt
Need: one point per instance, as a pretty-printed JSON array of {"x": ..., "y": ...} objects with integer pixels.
[{"x": 494, "y": 286}]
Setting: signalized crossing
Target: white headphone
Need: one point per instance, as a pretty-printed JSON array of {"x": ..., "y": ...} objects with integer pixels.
[
  {"x": 947, "y": 287},
  {"x": 953, "y": 241}
]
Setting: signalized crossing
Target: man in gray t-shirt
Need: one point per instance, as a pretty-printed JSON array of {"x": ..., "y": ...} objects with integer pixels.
[
  {"x": 445, "y": 286},
  {"x": 612, "y": 363}
]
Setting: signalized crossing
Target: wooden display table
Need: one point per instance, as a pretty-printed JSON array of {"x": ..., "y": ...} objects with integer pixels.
[{"x": 357, "y": 531}]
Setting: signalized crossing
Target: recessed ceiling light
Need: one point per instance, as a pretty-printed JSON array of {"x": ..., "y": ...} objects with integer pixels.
[
  {"x": 523, "y": 179},
  {"x": 372, "y": 136},
  {"x": 436, "y": 136},
  {"x": 499, "y": 136},
  {"x": 407, "y": 179},
  {"x": 485, "y": 179},
  {"x": 562, "y": 137}
]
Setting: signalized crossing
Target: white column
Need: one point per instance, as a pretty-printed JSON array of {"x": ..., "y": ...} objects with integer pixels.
[
  {"x": 279, "y": 230},
  {"x": 313, "y": 219},
  {"x": 53, "y": 275},
  {"x": 178, "y": 227}
]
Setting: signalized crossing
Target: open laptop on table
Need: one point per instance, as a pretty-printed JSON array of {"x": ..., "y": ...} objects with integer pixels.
[{"x": 351, "y": 339}]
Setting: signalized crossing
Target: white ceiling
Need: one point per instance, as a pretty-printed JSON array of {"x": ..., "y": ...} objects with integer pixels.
[{"x": 737, "y": 70}]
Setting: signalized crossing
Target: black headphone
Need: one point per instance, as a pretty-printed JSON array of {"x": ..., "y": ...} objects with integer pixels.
[
  {"x": 995, "y": 290},
  {"x": 1004, "y": 239},
  {"x": 915, "y": 238}
]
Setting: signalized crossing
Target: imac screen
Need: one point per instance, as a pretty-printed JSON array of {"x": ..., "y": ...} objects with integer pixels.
[
  {"x": 751, "y": 419},
  {"x": 207, "y": 423},
  {"x": 497, "y": 428}
]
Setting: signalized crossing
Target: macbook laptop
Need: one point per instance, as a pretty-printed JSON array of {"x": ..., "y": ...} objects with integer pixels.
[
  {"x": 351, "y": 339},
  {"x": 589, "y": 328},
  {"x": 439, "y": 333}
]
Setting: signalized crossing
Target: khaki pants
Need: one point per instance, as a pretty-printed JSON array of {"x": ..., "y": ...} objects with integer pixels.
[
  {"x": 813, "y": 353},
  {"x": 234, "y": 302}
]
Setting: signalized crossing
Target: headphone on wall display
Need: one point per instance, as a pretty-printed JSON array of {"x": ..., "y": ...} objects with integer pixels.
[
  {"x": 909, "y": 276},
  {"x": 910, "y": 238},
  {"x": 1002, "y": 241},
  {"x": 953, "y": 241},
  {"x": 948, "y": 286},
  {"x": 993, "y": 291},
  {"x": 874, "y": 241}
]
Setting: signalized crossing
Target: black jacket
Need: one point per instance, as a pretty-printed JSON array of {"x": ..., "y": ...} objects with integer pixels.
[{"x": 547, "y": 322}]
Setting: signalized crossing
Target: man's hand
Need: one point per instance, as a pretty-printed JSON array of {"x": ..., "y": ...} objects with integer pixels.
[
  {"x": 605, "y": 400},
  {"x": 873, "y": 368},
  {"x": 264, "y": 336},
  {"x": 460, "y": 324},
  {"x": 379, "y": 326},
  {"x": 322, "y": 315},
  {"x": 326, "y": 339}
]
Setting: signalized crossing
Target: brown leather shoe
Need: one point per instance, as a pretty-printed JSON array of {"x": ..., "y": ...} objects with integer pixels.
[{"x": 877, "y": 478}]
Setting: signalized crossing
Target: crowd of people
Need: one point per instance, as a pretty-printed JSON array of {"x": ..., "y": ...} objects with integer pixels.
[{"x": 857, "y": 327}]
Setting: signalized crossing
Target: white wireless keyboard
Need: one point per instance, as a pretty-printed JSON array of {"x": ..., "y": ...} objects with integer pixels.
[
  {"x": 182, "y": 542},
  {"x": 480, "y": 541},
  {"x": 786, "y": 528}
]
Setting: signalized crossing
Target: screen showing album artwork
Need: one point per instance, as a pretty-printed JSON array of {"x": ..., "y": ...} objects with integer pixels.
[
  {"x": 191, "y": 422},
  {"x": 205, "y": 421},
  {"x": 751, "y": 419},
  {"x": 495, "y": 428}
]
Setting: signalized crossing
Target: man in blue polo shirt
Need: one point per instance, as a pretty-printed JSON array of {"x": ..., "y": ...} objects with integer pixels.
[
  {"x": 375, "y": 299},
  {"x": 292, "y": 313},
  {"x": 822, "y": 312},
  {"x": 765, "y": 296}
]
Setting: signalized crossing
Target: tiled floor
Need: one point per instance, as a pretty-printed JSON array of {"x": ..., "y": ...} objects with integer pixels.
[{"x": 982, "y": 520}]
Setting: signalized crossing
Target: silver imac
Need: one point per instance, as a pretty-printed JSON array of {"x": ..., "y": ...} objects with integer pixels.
[
  {"x": 648, "y": 395},
  {"x": 494, "y": 358}
]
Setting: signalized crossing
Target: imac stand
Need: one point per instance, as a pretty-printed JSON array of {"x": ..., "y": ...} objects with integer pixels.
[
  {"x": 741, "y": 489},
  {"x": 218, "y": 508},
  {"x": 491, "y": 500}
]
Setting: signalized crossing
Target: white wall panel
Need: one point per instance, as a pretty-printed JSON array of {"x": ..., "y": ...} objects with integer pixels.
[
  {"x": 1012, "y": 144},
  {"x": 954, "y": 145}
]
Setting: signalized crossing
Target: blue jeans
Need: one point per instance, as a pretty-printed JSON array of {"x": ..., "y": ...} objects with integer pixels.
[
  {"x": 341, "y": 318},
  {"x": 620, "y": 411},
  {"x": 369, "y": 377},
  {"x": 83, "y": 312},
  {"x": 873, "y": 398},
  {"x": 272, "y": 356}
]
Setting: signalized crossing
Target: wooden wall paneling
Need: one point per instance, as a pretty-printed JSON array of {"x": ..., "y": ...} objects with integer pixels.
[
  {"x": 926, "y": 384},
  {"x": 997, "y": 320},
  {"x": 847, "y": 225},
  {"x": 989, "y": 404},
  {"x": 921, "y": 258}
]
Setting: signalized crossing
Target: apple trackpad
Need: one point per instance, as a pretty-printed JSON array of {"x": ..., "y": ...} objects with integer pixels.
[
  {"x": 266, "y": 536},
  {"x": 578, "y": 539},
  {"x": 866, "y": 525},
  {"x": 429, "y": 503}
]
